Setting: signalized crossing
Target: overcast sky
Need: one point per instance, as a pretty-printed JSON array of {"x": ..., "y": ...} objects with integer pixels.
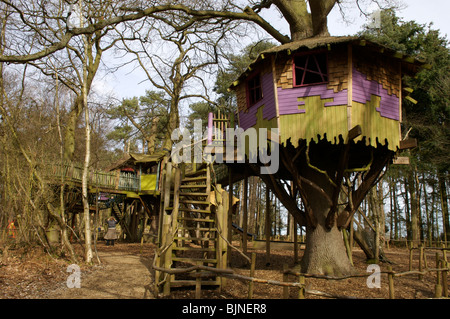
[{"x": 125, "y": 84}]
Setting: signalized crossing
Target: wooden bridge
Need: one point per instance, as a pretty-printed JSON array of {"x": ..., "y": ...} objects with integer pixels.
[{"x": 122, "y": 182}]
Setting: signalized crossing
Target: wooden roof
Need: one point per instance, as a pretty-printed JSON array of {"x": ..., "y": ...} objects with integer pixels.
[
  {"x": 410, "y": 65},
  {"x": 132, "y": 159}
]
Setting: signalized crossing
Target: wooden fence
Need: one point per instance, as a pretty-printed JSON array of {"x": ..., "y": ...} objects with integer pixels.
[{"x": 441, "y": 286}]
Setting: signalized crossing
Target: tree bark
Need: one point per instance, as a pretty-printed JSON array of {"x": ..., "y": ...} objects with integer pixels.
[
  {"x": 296, "y": 14},
  {"x": 325, "y": 251},
  {"x": 87, "y": 159},
  {"x": 444, "y": 205},
  {"x": 415, "y": 232}
]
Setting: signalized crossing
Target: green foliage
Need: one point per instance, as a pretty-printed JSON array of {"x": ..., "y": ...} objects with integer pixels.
[
  {"x": 135, "y": 118},
  {"x": 237, "y": 64},
  {"x": 429, "y": 119}
]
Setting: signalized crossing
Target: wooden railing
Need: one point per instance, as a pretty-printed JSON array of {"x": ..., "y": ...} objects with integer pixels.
[
  {"x": 217, "y": 125},
  {"x": 73, "y": 173}
]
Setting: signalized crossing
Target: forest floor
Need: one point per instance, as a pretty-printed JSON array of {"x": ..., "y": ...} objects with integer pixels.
[{"x": 125, "y": 273}]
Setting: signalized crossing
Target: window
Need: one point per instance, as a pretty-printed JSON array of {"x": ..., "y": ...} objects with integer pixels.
[
  {"x": 254, "y": 89},
  {"x": 310, "y": 69}
]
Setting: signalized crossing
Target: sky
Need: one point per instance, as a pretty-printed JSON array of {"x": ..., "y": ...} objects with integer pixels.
[{"x": 128, "y": 83}]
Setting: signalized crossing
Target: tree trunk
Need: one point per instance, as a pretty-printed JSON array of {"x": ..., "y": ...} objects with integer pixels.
[
  {"x": 407, "y": 212},
  {"x": 296, "y": 14},
  {"x": 87, "y": 158},
  {"x": 415, "y": 232},
  {"x": 325, "y": 251},
  {"x": 302, "y": 23},
  {"x": 444, "y": 204}
]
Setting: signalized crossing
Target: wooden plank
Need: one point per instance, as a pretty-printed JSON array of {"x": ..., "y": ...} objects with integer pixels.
[
  {"x": 354, "y": 132},
  {"x": 401, "y": 160},
  {"x": 408, "y": 143}
]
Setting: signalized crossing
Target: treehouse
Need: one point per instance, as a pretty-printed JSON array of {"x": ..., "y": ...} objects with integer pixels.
[
  {"x": 139, "y": 172},
  {"x": 322, "y": 89}
]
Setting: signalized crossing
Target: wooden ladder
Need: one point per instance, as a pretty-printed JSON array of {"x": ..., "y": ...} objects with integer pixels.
[
  {"x": 189, "y": 231},
  {"x": 197, "y": 238}
]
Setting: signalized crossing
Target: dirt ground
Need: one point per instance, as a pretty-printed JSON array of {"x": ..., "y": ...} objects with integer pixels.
[{"x": 125, "y": 273}]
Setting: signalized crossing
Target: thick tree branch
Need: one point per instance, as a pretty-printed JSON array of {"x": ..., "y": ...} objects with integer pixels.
[{"x": 198, "y": 15}]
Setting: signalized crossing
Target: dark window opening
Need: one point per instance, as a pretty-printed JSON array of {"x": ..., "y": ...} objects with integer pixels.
[
  {"x": 310, "y": 69},
  {"x": 254, "y": 90}
]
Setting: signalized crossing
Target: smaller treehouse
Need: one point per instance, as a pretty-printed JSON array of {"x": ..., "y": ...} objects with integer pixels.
[{"x": 337, "y": 103}]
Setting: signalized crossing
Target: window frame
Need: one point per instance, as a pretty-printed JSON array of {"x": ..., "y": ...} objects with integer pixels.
[
  {"x": 309, "y": 54},
  {"x": 249, "y": 91}
]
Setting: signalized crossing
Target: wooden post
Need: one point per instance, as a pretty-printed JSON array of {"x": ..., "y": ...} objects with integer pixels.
[
  {"x": 268, "y": 228},
  {"x": 252, "y": 274},
  {"x": 285, "y": 279},
  {"x": 444, "y": 264},
  {"x": 438, "y": 287},
  {"x": 198, "y": 284},
  {"x": 230, "y": 215},
  {"x": 295, "y": 241},
  {"x": 444, "y": 252},
  {"x": 301, "y": 292},
  {"x": 420, "y": 261},
  {"x": 245, "y": 217},
  {"x": 391, "y": 283}
]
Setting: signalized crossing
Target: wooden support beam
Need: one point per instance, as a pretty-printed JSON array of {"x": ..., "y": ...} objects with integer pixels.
[
  {"x": 230, "y": 214},
  {"x": 371, "y": 177},
  {"x": 354, "y": 133}
]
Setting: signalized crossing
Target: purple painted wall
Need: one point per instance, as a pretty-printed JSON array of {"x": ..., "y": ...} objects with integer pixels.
[
  {"x": 288, "y": 98},
  {"x": 363, "y": 90},
  {"x": 248, "y": 119}
]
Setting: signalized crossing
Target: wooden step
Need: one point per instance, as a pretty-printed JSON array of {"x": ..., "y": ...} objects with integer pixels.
[
  {"x": 203, "y": 211},
  {"x": 193, "y": 186},
  {"x": 194, "y": 202},
  {"x": 192, "y": 194},
  {"x": 197, "y": 219},
  {"x": 193, "y": 179},
  {"x": 206, "y": 229},
  {"x": 196, "y": 173},
  {"x": 193, "y": 249},
  {"x": 195, "y": 238},
  {"x": 195, "y": 260},
  {"x": 185, "y": 283}
]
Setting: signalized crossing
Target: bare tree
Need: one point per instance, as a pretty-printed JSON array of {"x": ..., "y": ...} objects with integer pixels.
[{"x": 183, "y": 61}]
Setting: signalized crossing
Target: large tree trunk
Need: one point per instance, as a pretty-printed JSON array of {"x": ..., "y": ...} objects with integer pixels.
[
  {"x": 302, "y": 23},
  {"x": 325, "y": 251}
]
